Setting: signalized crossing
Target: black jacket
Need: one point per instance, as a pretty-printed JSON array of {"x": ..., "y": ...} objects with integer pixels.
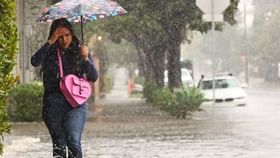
[{"x": 72, "y": 63}]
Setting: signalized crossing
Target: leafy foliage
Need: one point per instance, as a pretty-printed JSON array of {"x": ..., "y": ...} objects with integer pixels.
[
  {"x": 8, "y": 50},
  {"x": 189, "y": 99},
  {"x": 25, "y": 102},
  {"x": 149, "y": 91},
  {"x": 158, "y": 27},
  {"x": 265, "y": 42},
  {"x": 139, "y": 80},
  {"x": 166, "y": 100},
  {"x": 179, "y": 103},
  {"x": 108, "y": 84}
]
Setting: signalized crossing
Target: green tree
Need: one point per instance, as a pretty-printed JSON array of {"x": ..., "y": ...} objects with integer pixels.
[
  {"x": 148, "y": 38},
  {"x": 8, "y": 50},
  {"x": 101, "y": 52},
  {"x": 172, "y": 19},
  {"x": 157, "y": 28},
  {"x": 265, "y": 43}
]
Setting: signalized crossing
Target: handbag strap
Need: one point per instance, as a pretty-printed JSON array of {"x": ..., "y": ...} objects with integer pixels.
[{"x": 60, "y": 63}]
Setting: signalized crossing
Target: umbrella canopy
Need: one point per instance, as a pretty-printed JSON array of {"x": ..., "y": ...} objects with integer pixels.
[
  {"x": 73, "y": 10},
  {"x": 81, "y": 11}
]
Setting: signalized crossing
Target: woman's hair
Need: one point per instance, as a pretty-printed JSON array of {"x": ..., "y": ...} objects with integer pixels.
[{"x": 62, "y": 22}]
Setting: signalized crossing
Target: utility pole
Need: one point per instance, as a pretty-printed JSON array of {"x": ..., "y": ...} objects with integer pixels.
[
  {"x": 246, "y": 43},
  {"x": 213, "y": 60},
  {"x": 214, "y": 8}
]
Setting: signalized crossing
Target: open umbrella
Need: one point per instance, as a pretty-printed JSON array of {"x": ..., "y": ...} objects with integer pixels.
[{"x": 81, "y": 11}]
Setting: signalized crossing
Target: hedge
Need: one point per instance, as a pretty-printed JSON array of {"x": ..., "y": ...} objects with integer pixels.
[{"x": 8, "y": 53}]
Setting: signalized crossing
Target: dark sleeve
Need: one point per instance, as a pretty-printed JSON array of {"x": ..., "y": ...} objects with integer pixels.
[
  {"x": 38, "y": 58},
  {"x": 90, "y": 70}
]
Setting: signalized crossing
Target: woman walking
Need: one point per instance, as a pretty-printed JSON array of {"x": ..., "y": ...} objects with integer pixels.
[{"x": 65, "y": 123}]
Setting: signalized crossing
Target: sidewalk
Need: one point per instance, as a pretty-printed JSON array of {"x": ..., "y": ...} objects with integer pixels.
[{"x": 117, "y": 106}]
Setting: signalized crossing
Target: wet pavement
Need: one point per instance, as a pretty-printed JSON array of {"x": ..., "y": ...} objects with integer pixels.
[{"x": 123, "y": 127}]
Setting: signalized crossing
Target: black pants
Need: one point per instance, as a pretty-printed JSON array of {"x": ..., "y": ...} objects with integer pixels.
[{"x": 65, "y": 125}]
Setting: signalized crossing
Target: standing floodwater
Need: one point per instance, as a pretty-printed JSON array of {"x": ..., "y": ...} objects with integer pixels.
[{"x": 122, "y": 127}]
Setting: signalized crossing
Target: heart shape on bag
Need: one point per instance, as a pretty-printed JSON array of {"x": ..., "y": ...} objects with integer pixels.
[{"x": 76, "y": 90}]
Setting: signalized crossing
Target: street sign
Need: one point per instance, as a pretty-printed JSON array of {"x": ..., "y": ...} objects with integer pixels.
[{"x": 219, "y": 6}]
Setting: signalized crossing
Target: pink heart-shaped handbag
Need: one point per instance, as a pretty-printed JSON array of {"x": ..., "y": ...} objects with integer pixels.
[{"x": 75, "y": 89}]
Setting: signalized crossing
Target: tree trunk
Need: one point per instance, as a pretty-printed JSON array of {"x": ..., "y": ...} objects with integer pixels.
[
  {"x": 159, "y": 66},
  {"x": 102, "y": 54},
  {"x": 155, "y": 67},
  {"x": 141, "y": 62},
  {"x": 148, "y": 74},
  {"x": 173, "y": 64}
]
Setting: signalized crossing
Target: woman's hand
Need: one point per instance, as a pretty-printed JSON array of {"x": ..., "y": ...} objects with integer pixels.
[
  {"x": 84, "y": 52},
  {"x": 55, "y": 35}
]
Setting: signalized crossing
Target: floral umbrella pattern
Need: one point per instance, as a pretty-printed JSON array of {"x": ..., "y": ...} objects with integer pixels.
[{"x": 81, "y": 10}]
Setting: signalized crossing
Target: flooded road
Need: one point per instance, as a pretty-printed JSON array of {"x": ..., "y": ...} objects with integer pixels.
[{"x": 122, "y": 127}]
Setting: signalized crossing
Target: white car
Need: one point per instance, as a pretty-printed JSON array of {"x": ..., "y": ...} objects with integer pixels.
[
  {"x": 186, "y": 77},
  {"x": 228, "y": 91}
]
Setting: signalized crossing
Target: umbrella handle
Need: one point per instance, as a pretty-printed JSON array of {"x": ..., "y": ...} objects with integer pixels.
[{"x": 82, "y": 32}]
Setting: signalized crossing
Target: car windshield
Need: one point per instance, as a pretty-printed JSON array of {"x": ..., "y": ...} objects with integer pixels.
[{"x": 219, "y": 84}]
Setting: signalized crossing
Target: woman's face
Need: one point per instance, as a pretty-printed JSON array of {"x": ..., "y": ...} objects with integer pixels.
[{"x": 66, "y": 37}]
